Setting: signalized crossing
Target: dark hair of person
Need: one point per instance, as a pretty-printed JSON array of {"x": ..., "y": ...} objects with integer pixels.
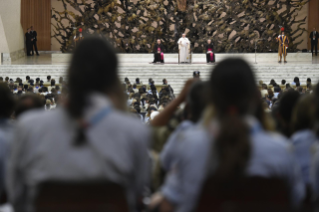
[
  {"x": 283, "y": 82},
  {"x": 7, "y": 101},
  {"x": 48, "y": 77},
  {"x": 285, "y": 109},
  {"x": 297, "y": 84},
  {"x": 97, "y": 71},
  {"x": 196, "y": 74},
  {"x": 137, "y": 81},
  {"x": 53, "y": 82},
  {"x": 164, "y": 81},
  {"x": 28, "y": 102},
  {"x": 264, "y": 86},
  {"x": 196, "y": 100},
  {"x": 232, "y": 103},
  {"x": 277, "y": 89},
  {"x": 316, "y": 92},
  {"x": 288, "y": 86},
  {"x": 304, "y": 119},
  {"x": 272, "y": 82},
  {"x": 1, "y": 79},
  {"x": 308, "y": 80},
  {"x": 270, "y": 93},
  {"x": 296, "y": 80}
]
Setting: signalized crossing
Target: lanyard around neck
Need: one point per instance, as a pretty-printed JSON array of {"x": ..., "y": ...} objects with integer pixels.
[{"x": 103, "y": 113}]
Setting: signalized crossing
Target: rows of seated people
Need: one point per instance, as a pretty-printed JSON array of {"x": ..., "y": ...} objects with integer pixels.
[
  {"x": 47, "y": 92},
  {"x": 210, "y": 148},
  {"x": 147, "y": 101},
  {"x": 270, "y": 93}
]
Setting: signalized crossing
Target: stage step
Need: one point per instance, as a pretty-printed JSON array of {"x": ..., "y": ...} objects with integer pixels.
[{"x": 176, "y": 75}]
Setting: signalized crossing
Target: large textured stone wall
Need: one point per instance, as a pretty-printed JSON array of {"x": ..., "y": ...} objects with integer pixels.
[
  {"x": 12, "y": 44},
  {"x": 134, "y": 26}
]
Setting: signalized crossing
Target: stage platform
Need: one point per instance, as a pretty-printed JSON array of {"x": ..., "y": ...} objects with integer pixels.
[
  {"x": 197, "y": 58},
  {"x": 176, "y": 74}
]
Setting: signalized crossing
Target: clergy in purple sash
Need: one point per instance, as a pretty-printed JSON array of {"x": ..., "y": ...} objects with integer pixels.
[
  {"x": 158, "y": 52},
  {"x": 210, "y": 57}
]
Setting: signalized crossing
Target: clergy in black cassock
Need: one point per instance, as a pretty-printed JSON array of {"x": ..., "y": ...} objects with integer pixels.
[
  {"x": 210, "y": 57},
  {"x": 158, "y": 52}
]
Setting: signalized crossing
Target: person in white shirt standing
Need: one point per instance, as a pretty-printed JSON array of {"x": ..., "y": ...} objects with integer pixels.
[
  {"x": 314, "y": 40},
  {"x": 184, "y": 49}
]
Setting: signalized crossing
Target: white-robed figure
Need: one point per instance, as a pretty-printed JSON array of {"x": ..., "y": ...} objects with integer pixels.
[{"x": 184, "y": 49}]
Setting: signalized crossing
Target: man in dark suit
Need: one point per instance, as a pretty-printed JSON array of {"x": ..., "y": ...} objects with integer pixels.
[
  {"x": 158, "y": 52},
  {"x": 314, "y": 40},
  {"x": 28, "y": 40},
  {"x": 34, "y": 42}
]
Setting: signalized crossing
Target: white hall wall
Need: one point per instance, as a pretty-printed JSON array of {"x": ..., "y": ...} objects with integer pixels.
[{"x": 12, "y": 36}]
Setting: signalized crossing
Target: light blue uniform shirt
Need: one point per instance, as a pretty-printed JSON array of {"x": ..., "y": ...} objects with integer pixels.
[
  {"x": 6, "y": 133},
  {"x": 116, "y": 150},
  {"x": 304, "y": 142},
  {"x": 271, "y": 157}
]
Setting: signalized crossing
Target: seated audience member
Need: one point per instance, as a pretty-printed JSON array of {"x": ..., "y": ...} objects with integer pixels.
[
  {"x": 264, "y": 90},
  {"x": 47, "y": 105},
  {"x": 196, "y": 74},
  {"x": 301, "y": 90},
  {"x": 134, "y": 88},
  {"x": 288, "y": 87},
  {"x": 36, "y": 88},
  {"x": 52, "y": 85},
  {"x": 48, "y": 79},
  {"x": 150, "y": 81},
  {"x": 126, "y": 80},
  {"x": 137, "y": 81},
  {"x": 269, "y": 97},
  {"x": 164, "y": 81},
  {"x": 309, "y": 89},
  {"x": 283, "y": 113},
  {"x": 283, "y": 82},
  {"x": 58, "y": 90},
  {"x": 296, "y": 80},
  {"x": 61, "y": 80},
  {"x": 229, "y": 143},
  {"x": 1, "y": 79},
  {"x": 89, "y": 138},
  {"x": 277, "y": 91},
  {"x": 297, "y": 85},
  {"x": 273, "y": 82},
  {"x": 304, "y": 138},
  {"x": 27, "y": 79},
  {"x": 6, "y": 129},
  {"x": 308, "y": 82},
  {"x": 195, "y": 105},
  {"x": 28, "y": 102}
]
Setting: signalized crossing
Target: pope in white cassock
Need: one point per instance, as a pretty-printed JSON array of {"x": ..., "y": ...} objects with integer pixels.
[{"x": 184, "y": 47}]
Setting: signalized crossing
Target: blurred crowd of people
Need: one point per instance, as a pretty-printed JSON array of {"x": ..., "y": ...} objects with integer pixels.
[{"x": 226, "y": 128}]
